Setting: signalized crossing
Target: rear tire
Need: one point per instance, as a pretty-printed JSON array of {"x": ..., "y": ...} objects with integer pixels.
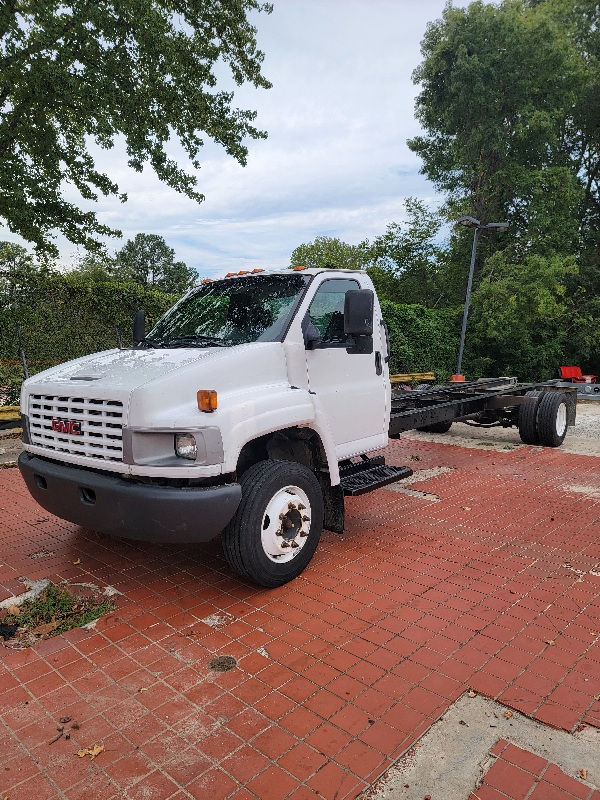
[
  {"x": 277, "y": 527},
  {"x": 552, "y": 419},
  {"x": 528, "y": 427}
]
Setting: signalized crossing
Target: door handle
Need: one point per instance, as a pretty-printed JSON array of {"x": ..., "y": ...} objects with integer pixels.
[{"x": 378, "y": 367}]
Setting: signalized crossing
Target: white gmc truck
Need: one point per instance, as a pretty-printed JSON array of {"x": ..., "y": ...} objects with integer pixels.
[{"x": 248, "y": 412}]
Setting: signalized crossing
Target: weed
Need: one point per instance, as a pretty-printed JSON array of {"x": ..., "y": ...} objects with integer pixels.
[{"x": 55, "y": 610}]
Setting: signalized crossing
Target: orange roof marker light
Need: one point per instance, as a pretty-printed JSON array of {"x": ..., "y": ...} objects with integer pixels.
[
  {"x": 231, "y": 274},
  {"x": 297, "y": 269},
  {"x": 243, "y": 272},
  {"x": 207, "y": 280},
  {"x": 255, "y": 271},
  {"x": 207, "y": 400}
]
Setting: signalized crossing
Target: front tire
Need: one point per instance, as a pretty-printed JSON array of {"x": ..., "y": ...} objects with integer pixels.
[{"x": 277, "y": 527}]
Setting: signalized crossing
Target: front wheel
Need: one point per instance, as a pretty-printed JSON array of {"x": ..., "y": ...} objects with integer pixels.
[{"x": 278, "y": 524}]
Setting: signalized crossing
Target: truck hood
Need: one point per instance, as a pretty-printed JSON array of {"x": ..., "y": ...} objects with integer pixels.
[
  {"x": 158, "y": 387},
  {"x": 123, "y": 370}
]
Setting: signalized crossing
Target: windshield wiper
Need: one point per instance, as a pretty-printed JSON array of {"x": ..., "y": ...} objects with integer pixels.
[
  {"x": 149, "y": 343},
  {"x": 195, "y": 340}
]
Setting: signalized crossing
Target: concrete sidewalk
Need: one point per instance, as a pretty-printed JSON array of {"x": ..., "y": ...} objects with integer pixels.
[{"x": 485, "y": 577}]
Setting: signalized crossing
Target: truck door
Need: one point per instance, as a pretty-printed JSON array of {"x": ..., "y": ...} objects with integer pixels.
[{"x": 350, "y": 388}]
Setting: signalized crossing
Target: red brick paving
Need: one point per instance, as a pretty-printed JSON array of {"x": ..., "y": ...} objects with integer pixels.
[
  {"x": 518, "y": 774},
  {"x": 496, "y": 587}
]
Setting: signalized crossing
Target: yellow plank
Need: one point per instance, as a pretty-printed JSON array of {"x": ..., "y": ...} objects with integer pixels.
[
  {"x": 409, "y": 377},
  {"x": 8, "y": 412}
]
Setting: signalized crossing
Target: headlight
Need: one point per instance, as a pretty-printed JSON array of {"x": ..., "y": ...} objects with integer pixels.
[{"x": 185, "y": 446}]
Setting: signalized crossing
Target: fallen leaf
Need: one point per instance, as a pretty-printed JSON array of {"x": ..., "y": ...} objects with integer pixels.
[
  {"x": 142, "y": 689},
  {"x": 78, "y": 561},
  {"x": 550, "y": 642},
  {"x": 92, "y": 752},
  {"x": 583, "y": 773},
  {"x": 472, "y": 693},
  {"x": 14, "y": 610},
  {"x": 597, "y": 697},
  {"x": 466, "y": 508},
  {"x": 508, "y": 714},
  {"x": 46, "y": 627}
]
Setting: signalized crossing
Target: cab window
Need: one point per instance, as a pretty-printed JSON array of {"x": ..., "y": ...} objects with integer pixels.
[{"x": 327, "y": 310}]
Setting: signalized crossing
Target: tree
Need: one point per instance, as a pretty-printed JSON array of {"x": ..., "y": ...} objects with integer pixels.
[
  {"x": 405, "y": 260},
  {"x": 511, "y": 132},
  {"x": 95, "y": 267},
  {"x": 149, "y": 261},
  {"x": 495, "y": 116},
  {"x": 327, "y": 252},
  {"x": 83, "y": 71},
  {"x": 14, "y": 258}
]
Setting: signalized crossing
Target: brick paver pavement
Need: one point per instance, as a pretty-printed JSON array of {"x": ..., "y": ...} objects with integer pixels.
[
  {"x": 520, "y": 775},
  {"x": 495, "y": 587}
]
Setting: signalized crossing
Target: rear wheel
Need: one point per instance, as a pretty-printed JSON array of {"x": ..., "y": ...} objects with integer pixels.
[
  {"x": 552, "y": 419},
  {"x": 528, "y": 429},
  {"x": 278, "y": 524}
]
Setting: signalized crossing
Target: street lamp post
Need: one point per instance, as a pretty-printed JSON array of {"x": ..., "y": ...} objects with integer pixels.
[{"x": 471, "y": 222}]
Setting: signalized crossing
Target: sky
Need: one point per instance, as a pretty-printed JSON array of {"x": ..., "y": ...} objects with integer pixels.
[{"x": 335, "y": 162}]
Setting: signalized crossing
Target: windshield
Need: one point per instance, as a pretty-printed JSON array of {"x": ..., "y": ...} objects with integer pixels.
[{"x": 229, "y": 312}]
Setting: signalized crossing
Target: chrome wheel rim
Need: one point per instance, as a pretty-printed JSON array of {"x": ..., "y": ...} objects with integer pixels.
[{"x": 285, "y": 524}]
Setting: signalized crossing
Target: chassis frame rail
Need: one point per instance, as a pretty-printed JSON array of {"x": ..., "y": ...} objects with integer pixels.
[{"x": 468, "y": 400}]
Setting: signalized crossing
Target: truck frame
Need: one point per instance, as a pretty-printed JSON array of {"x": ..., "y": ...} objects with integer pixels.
[{"x": 250, "y": 411}]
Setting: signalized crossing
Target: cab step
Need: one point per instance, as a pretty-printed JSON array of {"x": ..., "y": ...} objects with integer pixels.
[{"x": 369, "y": 474}]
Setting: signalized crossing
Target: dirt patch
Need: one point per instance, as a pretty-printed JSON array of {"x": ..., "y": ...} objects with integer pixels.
[{"x": 56, "y": 609}]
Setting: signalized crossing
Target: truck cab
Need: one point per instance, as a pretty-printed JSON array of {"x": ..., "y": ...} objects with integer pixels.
[{"x": 234, "y": 415}]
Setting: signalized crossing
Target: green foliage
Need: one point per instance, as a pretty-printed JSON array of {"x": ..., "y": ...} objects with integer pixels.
[
  {"x": 422, "y": 339},
  {"x": 405, "y": 261},
  {"x": 488, "y": 108},
  {"x": 521, "y": 317},
  {"x": 149, "y": 261},
  {"x": 328, "y": 253},
  {"x": 65, "y": 316},
  {"x": 146, "y": 72}
]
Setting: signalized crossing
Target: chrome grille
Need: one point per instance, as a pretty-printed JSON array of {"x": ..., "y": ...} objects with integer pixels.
[{"x": 101, "y": 424}]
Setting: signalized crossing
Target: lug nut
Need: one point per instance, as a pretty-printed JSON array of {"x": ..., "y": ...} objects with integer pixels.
[
  {"x": 285, "y": 544},
  {"x": 291, "y": 506},
  {"x": 305, "y": 518},
  {"x": 279, "y": 532},
  {"x": 301, "y": 507},
  {"x": 294, "y": 544}
]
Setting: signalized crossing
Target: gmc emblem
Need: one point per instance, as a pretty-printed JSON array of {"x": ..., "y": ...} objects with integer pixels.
[{"x": 66, "y": 426}]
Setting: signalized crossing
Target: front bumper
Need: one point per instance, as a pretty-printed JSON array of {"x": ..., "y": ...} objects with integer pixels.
[{"x": 119, "y": 507}]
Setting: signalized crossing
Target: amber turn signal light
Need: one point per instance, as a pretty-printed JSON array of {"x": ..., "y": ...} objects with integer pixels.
[{"x": 207, "y": 400}]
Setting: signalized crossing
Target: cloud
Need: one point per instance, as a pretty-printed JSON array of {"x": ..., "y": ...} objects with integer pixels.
[{"x": 335, "y": 163}]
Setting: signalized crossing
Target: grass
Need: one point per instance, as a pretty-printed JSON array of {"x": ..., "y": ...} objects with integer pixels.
[{"x": 55, "y": 610}]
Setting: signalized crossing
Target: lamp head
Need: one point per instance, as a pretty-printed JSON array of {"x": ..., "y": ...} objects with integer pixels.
[{"x": 468, "y": 222}]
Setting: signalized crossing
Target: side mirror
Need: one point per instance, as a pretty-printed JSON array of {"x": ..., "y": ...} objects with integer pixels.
[
  {"x": 358, "y": 321},
  {"x": 358, "y": 312},
  {"x": 139, "y": 326},
  {"x": 310, "y": 332}
]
